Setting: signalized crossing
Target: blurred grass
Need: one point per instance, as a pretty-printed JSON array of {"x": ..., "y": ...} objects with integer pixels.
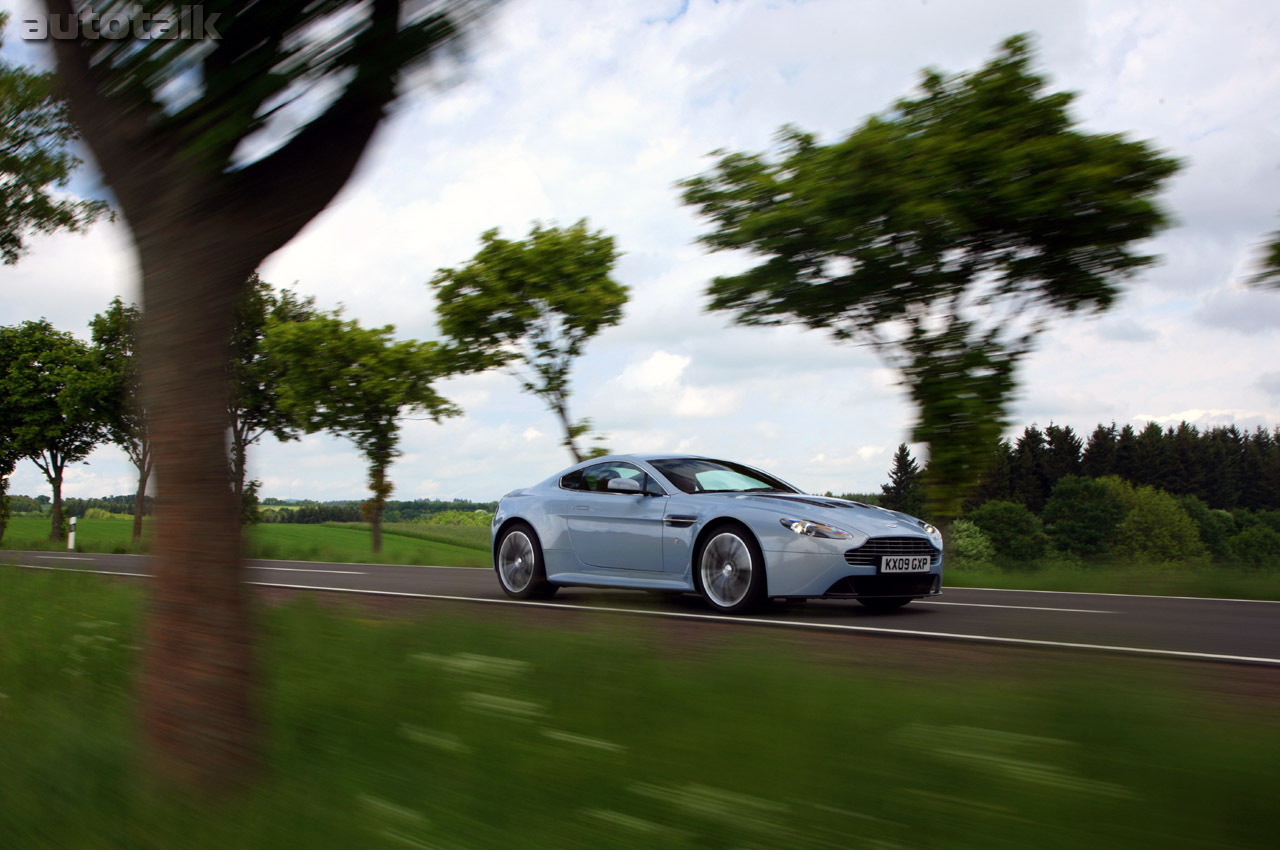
[
  {"x": 289, "y": 542},
  {"x": 467, "y": 536},
  {"x": 466, "y": 733}
]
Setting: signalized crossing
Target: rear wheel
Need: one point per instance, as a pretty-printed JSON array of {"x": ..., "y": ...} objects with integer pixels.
[
  {"x": 885, "y": 603},
  {"x": 519, "y": 564},
  {"x": 728, "y": 570}
]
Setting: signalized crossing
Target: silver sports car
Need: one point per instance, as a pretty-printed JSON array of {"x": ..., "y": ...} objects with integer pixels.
[{"x": 733, "y": 534}]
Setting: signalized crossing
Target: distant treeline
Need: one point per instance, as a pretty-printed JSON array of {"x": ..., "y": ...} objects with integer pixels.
[
  {"x": 1224, "y": 467},
  {"x": 19, "y": 505},
  {"x": 310, "y": 512}
]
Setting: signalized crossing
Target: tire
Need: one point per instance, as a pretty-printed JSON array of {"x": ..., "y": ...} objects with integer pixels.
[
  {"x": 885, "y": 603},
  {"x": 518, "y": 563},
  {"x": 728, "y": 570}
]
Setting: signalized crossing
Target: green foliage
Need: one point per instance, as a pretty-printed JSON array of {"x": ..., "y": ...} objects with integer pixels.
[
  {"x": 903, "y": 492},
  {"x": 1256, "y": 547},
  {"x": 1082, "y": 515},
  {"x": 968, "y": 547},
  {"x": 1015, "y": 532},
  {"x": 974, "y": 200},
  {"x": 1269, "y": 271},
  {"x": 532, "y": 306},
  {"x": 1156, "y": 531},
  {"x": 36, "y": 136},
  {"x": 98, "y": 513},
  {"x": 1215, "y": 527}
]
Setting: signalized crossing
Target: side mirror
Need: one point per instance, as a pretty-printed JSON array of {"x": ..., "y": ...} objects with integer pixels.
[{"x": 624, "y": 485}]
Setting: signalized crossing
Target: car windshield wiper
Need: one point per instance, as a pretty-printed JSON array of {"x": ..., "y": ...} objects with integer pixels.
[{"x": 765, "y": 490}]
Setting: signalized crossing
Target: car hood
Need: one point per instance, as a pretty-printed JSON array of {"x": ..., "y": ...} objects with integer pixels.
[{"x": 842, "y": 513}]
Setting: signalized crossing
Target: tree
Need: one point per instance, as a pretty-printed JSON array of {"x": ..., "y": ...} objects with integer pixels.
[
  {"x": 1155, "y": 530},
  {"x": 215, "y": 168},
  {"x": 54, "y": 398},
  {"x": 902, "y": 493},
  {"x": 359, "y": 384},
  {"x": 531, "y": 307},
  {"x": 115, "y": 339},
  {"x": 1269, "y": 271},
  {"x": 35, "y": 161},
  {"x": 1082, "y": 515},
  {"x": 1015, "y": 532},
  {"x": 1030, "y": 477},
  {"x": 254, "y": 408},
  {"x": 965, "y": 216},
  {"x": 1100, "y": 452}
]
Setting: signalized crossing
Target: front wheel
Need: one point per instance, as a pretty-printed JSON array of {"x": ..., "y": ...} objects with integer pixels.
[
  {"x": 519, "y": 564},
  {"x": 885, "y": 603},
  {"x": 728, "y": 571}
]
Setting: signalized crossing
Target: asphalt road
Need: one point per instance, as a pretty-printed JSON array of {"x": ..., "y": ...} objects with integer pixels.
[{"x": 1239, "y": 631}]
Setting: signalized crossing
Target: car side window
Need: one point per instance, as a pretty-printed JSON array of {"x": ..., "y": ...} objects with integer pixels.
[
  {"x": 596, "y": 478},
  {"x": 572, "y": 481}
]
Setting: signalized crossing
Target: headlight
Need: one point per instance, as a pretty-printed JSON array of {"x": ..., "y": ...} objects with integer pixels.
[
  {"x": 815, "y": 529},
  {"x": 934, "y": 534}
]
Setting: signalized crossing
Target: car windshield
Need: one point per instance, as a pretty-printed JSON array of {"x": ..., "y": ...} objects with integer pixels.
[{"x": 697, "y": 475}]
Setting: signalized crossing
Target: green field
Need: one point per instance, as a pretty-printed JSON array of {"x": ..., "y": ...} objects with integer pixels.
[
  {"x": 402, "y": 543},
  {"x": 450, "y": 733}
]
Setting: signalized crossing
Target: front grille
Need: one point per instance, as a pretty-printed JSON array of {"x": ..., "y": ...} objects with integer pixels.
[
  {"x": 869, "y": 553},
  {"x": 915, "y": 584}
]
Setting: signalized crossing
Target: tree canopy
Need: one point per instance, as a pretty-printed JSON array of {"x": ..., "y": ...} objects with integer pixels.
[
  {"x": 115, "y": 339},
  {"x": 254, "y": 407},
  {"x": 357, "y": 383},
  {"x": 36, "y": 135},
  {"x": 942, "y": 231},
  {"x": 54, "y": 399},
  {"x": 532, "y": 306}
]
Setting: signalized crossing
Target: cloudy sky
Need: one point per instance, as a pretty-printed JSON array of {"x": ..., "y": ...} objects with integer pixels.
[{"x": 575, "y": 109}]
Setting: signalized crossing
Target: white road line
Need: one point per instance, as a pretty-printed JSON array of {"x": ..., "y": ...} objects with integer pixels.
[
  {"x": 87, "y": 572},
  {"x": 300, "y": 570},
  {"x": 1015, "y": 607},
  {"x": 67, "y": 557},
  {"x": 1125, "y": 595}
]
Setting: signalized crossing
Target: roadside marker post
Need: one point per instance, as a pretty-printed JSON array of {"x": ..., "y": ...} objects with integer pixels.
[{"x": 71, "y": 538}]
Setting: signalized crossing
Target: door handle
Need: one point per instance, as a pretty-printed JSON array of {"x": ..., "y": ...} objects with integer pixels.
[{"x": 583, "y": 508}]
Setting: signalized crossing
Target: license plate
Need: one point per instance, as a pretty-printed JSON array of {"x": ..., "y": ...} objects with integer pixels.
[{"x": 905, "y": 563}]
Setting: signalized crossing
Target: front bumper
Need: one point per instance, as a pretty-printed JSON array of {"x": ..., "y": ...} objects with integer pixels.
[{"x": 831, "y": 573}]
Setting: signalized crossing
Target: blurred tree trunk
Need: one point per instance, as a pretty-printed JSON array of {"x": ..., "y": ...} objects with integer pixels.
[{"x": 197, "y": 673}]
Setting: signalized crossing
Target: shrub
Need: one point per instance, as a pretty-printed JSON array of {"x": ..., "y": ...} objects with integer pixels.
[
  {"x": 1082, "y": 515},
  {"x": 968, "y": 547},
  {"x": 97, "y": 513},
  {"x": 1216, "y": 527},
  {"x": 476, "y": 517},
  {"x": 1157, "y": 531},
  {"x": 1014, "y": 531},
  {"x": 1258, "y": 546}
]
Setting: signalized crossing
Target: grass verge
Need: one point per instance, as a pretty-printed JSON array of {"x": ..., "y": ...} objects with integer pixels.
[
  {"x": 446, "y": 546},
  {"x": 481, "y": 733},
  {"x": 1211, "y": 582}
]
